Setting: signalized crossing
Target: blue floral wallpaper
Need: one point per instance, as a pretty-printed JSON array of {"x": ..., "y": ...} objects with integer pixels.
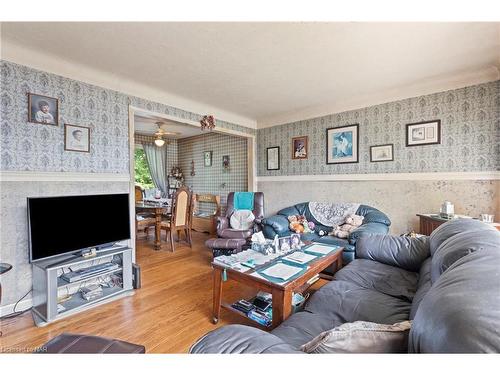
[
  {"x": 470, "y": 130},
  {"x": 33, "y": 147}
]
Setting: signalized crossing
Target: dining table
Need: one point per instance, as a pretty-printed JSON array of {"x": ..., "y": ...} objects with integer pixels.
[{"x": 159, "y": 209}]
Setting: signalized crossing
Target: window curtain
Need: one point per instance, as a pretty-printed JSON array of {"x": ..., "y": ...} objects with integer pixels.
[{"x": 156, "y": 158}]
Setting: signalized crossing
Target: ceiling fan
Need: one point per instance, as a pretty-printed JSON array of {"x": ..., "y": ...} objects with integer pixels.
[{"x": 161, "y": 133}]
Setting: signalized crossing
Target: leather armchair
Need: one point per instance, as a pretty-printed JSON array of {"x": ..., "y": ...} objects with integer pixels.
[{"x": 224, "y": 229}]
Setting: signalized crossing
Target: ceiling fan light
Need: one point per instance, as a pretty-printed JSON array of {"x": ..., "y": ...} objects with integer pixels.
[{"x": 159, "y": 142}]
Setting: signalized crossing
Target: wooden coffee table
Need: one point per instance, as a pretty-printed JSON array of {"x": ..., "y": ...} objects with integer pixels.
[{"x": 281, "y": 293}]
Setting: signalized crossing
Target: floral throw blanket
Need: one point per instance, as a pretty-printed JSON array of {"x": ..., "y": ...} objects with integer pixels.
[{"x": 332, "y": 214}]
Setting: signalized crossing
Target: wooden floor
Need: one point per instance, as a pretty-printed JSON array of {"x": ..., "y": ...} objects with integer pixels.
[{"x": 167, "y": 315}]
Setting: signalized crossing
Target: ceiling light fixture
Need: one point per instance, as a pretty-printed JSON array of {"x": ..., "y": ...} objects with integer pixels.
[{"x": 207, "y": 123}]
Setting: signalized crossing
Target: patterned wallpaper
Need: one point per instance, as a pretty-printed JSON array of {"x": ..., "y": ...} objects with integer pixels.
[
  {"x": 470, "y": 123},
  {"x": 34, "y": 147},
  {"x": 214, "y": 179}
]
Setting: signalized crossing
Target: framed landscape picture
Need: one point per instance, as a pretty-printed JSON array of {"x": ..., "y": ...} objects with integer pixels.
[
  {"x": 207, "y": 158},
  {"x": 76, "y": 138},
  {"x": 273, "y": 158},
  {"x": 382, "y": 153},
  {"x": 342, "y": 144},
  {"x": 299, "y": 147},
  {"x": 43, "y": 109},
  {"x": 423, "y": 133}
]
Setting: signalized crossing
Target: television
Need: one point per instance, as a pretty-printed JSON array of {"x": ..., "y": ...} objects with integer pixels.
[{"x": 70, "y": 224}]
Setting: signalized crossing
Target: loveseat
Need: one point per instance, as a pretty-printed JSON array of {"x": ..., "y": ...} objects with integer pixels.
[
  {"x": 448, "y": 284},
  {"x": 374, "y": 221}
]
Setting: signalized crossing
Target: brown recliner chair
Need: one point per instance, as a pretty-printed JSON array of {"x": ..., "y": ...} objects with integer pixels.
[{"x": 224, "y": 229}]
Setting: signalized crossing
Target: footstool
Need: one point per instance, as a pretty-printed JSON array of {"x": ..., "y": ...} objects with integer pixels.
[
  {"x": 224, "y": 246},
  {"x": 70, "y": 343}
]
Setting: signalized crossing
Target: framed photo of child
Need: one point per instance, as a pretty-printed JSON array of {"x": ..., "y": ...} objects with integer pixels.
[
  {"x": 299, "y": 147},
  {"x": 43, "y": 109},
  {"x": 76, "y": 138}
]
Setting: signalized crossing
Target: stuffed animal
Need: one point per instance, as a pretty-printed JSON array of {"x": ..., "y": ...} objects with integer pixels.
[
  {"x": 351, "y": 222},
  {"x": 299, "y": 224}
]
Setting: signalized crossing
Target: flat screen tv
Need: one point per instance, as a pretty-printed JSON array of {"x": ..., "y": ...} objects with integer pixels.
[{"x": 60, "y": 225}]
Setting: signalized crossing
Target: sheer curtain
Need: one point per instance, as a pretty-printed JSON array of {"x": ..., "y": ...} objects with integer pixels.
[{"x": 156, "y": 158}]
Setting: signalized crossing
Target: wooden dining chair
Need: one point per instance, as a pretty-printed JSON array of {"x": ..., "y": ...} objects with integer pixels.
[{"x": 180, "y": 219}]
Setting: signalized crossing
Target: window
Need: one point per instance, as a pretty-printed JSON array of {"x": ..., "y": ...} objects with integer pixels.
[{"x": 142, "y": 176}]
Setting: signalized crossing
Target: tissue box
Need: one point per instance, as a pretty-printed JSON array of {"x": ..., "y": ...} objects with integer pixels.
[{"x": 264, "y": 248}]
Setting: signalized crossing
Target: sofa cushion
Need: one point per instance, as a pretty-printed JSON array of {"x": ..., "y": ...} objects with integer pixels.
[
  {"x": 459, "y": 314},
  {"x": 302, "y": 327},
  {"x": 459, "y": 246},
  {"x": 242, "y": 219},
  {"x": 361, "y": 337},
  {"x": 424, "y": 284},
  {"x": 393, "y": 281},
  {"x": 453, "y": 227},
  {"x": 345, "y": 301},
  {"x": 404, "y": 252}
]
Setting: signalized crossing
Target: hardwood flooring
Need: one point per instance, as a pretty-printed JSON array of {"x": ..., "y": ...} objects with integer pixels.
[{"x": 167, "y": 315}]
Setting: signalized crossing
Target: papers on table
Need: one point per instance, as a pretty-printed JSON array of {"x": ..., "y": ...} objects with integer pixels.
[
  {"x": 281, "y": 271},
  {"x": 299, "y": 257},
  {"x": 320, "y": 249}
]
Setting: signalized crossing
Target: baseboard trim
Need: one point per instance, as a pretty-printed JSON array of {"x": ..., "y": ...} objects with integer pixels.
[
  {"x": 62, "y": 176},
  {"x": 429, "y": 176},
  {"x": 21, "y": 306}
]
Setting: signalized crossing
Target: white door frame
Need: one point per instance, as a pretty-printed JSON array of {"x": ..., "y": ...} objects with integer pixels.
[{"x": 251, "y": 153}]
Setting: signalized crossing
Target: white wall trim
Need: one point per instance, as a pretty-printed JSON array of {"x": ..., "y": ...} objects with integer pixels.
[
  {"x": 21, "y": 306},
  {"x": 20, "y": 54},
  {"x": 425, "y": 87},
  {"x": 428, "y": 176},
  {"x": 62, "y": 176}
]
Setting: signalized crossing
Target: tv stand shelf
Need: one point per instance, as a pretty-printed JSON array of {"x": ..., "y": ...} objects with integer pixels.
[{"x": 48, "y": 286}]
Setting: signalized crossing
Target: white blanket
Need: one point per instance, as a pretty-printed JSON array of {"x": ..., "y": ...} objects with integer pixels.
[{"x": 332, "y": 214}]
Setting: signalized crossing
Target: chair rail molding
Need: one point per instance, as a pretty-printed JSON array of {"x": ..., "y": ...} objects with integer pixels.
[
  {"x": 62, "y": 176},
  {"x": 425, "y": 176}
]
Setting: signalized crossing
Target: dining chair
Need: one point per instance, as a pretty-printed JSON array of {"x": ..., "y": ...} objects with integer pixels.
[{"x": 180, "y": 218}]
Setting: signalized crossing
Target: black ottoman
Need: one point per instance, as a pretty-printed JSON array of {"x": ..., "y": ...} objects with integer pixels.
[
  {"x": 84, "y": 344},
  {"x": 224, "y": 246}
]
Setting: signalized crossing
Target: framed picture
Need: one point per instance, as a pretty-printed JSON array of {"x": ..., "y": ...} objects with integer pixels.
[
  {"x": 43, "y": 109},
  {"x": 382, "y": 153},
  {"x": 273, "y": 158},
  {"x": 342, "y": 144},
  {"x": 225, "y": 162},
  {"x": 207, "y": 158},
  {"x": 299, "y": 147},
  {"x": 423, "y": 133},
  {"x": 76, "y": 138}
]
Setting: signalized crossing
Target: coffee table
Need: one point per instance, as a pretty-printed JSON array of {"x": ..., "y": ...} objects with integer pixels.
[{"x": 281, "y": 293}]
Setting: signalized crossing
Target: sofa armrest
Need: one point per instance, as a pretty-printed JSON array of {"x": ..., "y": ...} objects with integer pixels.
[
  {"x": 275, "y": 225},
  {"x": 237, "y": 338},
  {"x": 222, "y": 223},
  {"x": 367, "y": 228},
  {"x": 403, "y": 252}
]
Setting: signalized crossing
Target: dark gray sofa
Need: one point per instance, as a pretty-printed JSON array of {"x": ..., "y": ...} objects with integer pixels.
[
  {"x": 374, "y": 221},
  {"x": 447, "y": 283}
]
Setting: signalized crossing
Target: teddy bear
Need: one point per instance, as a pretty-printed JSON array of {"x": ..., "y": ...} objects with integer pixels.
[
  {"x": 299, "y": 224},
  {"x": 351, "y": 222}
]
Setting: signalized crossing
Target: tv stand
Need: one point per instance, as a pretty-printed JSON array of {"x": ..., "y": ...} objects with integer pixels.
[{"x": 54, "y": 298}]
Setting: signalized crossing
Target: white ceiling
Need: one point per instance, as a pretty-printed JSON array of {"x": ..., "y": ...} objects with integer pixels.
[
  {"x": 146, "y": 124},
  {"x": 263, "y": 70}
]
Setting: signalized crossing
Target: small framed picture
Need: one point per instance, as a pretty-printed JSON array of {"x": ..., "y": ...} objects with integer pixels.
[
  {"x": 207, "y": 158},
  {"x": 299, "y": 147},
  {"x": 43, "y": 109},
  {"x": 295, "y": 240},
  {"x": 76, "y": 138},
  {"x": 273, "y": 158},
  {"x": 284, "y": 243},
  {"x": 423, "y": 133},
  {"x": 382, "y": 153},
  {"x": 342, "y": 144},
  {"x": 225, "y": 162}
]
